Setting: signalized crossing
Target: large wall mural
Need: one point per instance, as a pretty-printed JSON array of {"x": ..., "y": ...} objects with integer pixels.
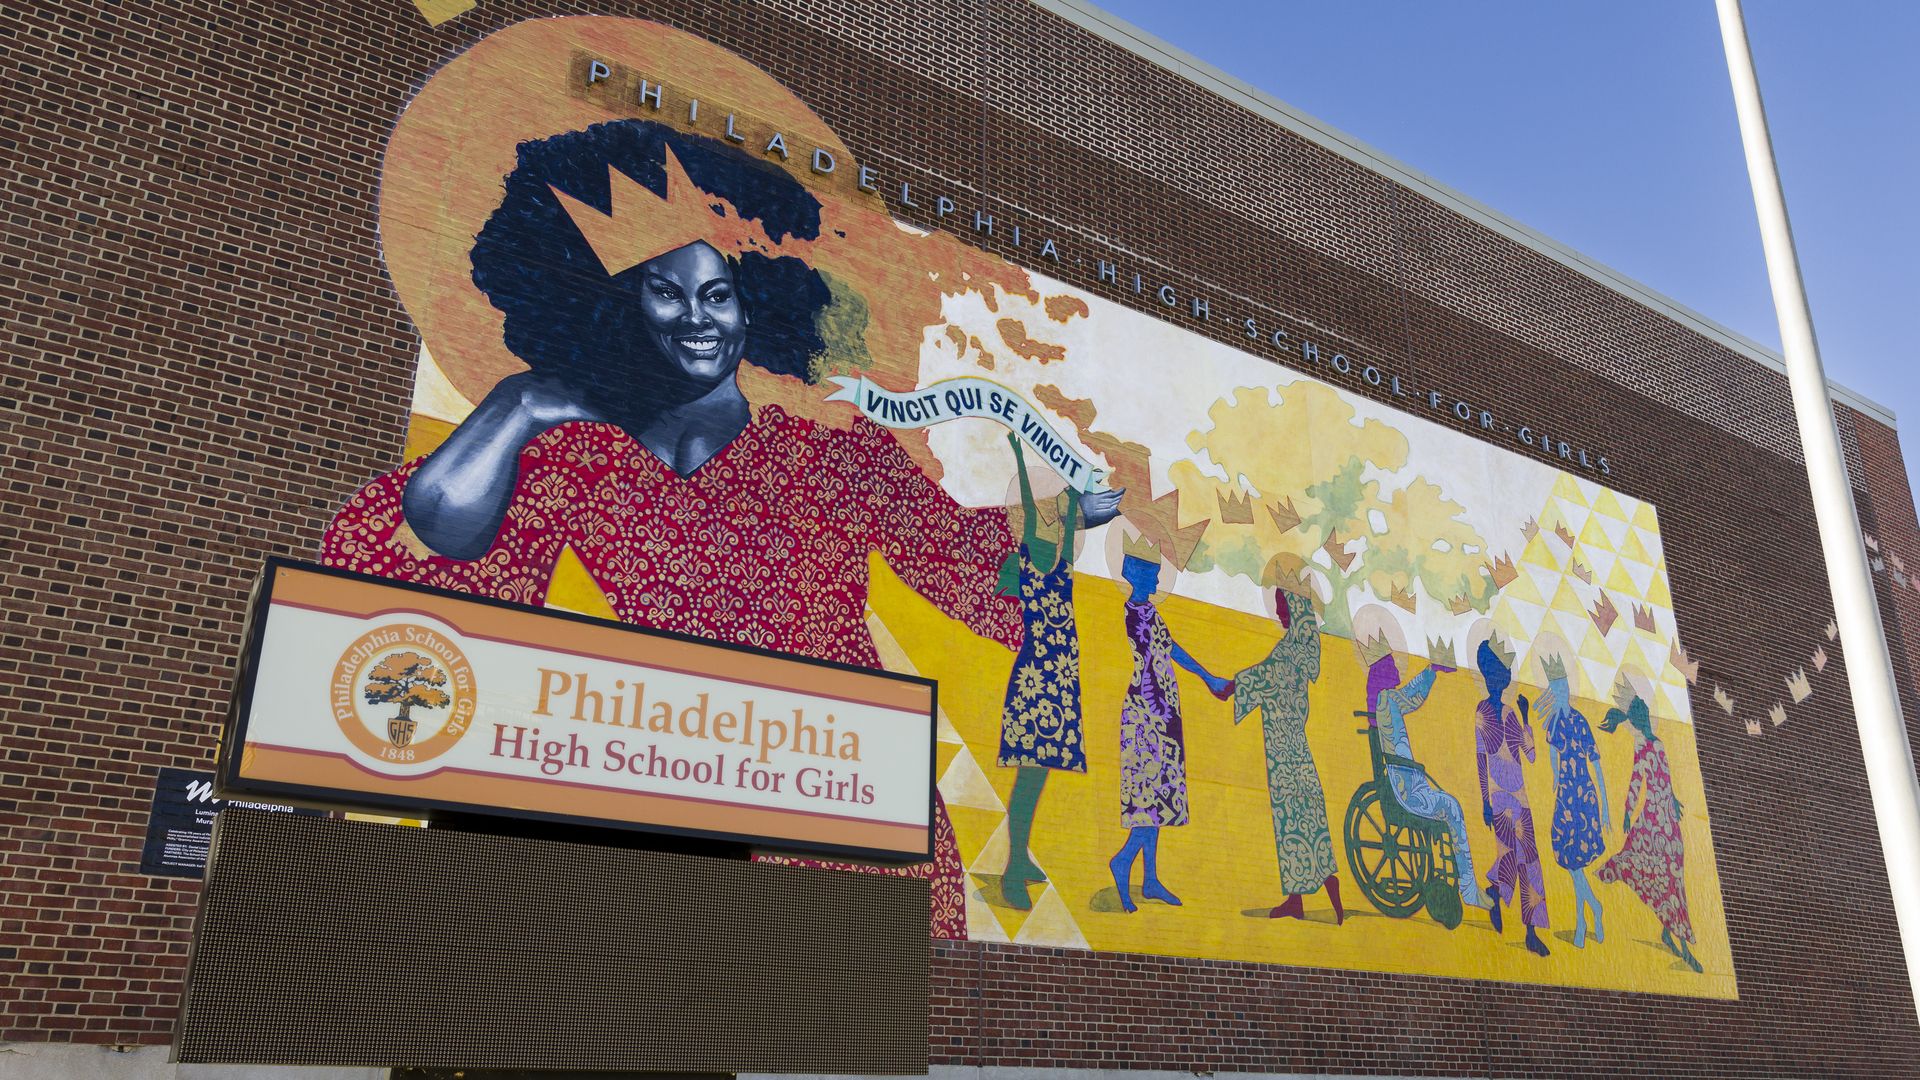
[{"x": 1232, "y": 663}]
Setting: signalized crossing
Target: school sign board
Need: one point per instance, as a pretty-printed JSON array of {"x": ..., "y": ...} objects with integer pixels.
[{"x": 356, "y": 690}]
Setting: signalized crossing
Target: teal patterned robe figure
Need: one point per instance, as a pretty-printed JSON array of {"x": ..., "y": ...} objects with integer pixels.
[{"x": 1277, "y": 687}]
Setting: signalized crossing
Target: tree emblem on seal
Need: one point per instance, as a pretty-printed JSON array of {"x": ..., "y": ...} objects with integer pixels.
[{"x": 413, "y": 682}]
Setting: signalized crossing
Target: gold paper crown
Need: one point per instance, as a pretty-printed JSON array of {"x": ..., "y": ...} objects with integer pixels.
[
  {"x": 1440, "y": 653},
  {"x": 1139, "y": 547},
  {"x": 643, "y": 225},
  {"x": 1373, "y": 648}
]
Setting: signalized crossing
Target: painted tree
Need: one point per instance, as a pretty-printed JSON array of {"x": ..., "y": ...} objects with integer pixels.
[
  {"x": 1316, "y": 469},
  {"x": 1426, "y": 541},
  {"x": 409, "y": 680}
]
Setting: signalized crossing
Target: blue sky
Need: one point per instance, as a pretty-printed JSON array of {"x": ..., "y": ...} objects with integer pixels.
[{"x": 1610, "y": 127}]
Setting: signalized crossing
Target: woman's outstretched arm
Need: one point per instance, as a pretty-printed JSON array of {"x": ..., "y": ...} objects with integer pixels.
[
  {"x": 1220, "y": 687},
  {"x": 458, "y": 498}
]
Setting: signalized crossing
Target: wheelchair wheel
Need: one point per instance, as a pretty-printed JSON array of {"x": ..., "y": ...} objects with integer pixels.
[{"x": 1392, "y": 864}]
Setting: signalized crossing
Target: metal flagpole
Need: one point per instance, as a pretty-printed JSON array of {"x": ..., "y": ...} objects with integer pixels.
[{"x": 1876, "y": 702}]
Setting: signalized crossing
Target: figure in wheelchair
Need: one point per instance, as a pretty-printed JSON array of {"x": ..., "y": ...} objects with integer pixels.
[{"x": 1406, "y": 838}]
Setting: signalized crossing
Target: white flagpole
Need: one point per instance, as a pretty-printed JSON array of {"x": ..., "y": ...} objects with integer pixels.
[{"x": 1876, "y": 702}]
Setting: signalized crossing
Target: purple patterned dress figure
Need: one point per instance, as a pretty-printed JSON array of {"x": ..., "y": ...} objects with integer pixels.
[
  {"x": 1153, "y": 753},
  {"x": 1501, "y": 738}
]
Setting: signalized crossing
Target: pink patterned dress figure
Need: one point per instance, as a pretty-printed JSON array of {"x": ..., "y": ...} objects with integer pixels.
[
  {"x": 1652, "y": 859},
  {"x": 630, "y": 444},
  {"x": 1501, "y": 738}
]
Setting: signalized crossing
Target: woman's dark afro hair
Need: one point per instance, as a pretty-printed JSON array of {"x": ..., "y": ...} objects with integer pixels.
[{"x": 566, "y": 315}]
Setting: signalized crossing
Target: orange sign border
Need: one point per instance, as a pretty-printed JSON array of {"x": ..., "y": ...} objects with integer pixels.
[{"x": 339, "y": 783}]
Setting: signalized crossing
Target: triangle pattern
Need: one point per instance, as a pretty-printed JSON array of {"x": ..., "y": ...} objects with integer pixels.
[
  {"x": 1594, "y": 647},
  {"x": 1051, "y": 924},
  {"x": 1522, "y": 588},
  {"x": 1607, "y": 504},
  {"x": 982, "y": 923},
  {"x": 964, "y": 784},
  {"x": 1539, "y": 552}
]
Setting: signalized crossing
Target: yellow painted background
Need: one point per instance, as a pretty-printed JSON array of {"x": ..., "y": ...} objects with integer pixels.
[{"x": 1222, "y": 863}]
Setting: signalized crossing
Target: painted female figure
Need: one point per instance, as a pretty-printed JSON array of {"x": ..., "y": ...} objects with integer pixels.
[
  {"x": 1153, "y": 752},
  {"x": 1388, "y": 704},
  {"x": 1501, "y": 738},
  {"x": 1579, "y": 797},
  {"x": 1277, "y": 687},
  {"x": 1652, "y": 859},
  {"x": 630, "y": 443},
  {"x": 1040, "y": 727}
]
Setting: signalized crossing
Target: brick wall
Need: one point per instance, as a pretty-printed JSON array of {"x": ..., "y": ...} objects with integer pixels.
[{"x": 204, "y": 357}]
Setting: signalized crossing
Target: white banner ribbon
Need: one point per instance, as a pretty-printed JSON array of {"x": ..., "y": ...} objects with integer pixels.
[{"x": 969, "y": 397}]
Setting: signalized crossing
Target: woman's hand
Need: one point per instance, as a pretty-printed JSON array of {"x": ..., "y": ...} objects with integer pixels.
[
  {"x": 1099, "y": 507},
  {"x": 547, "y": 401},
  {"x": 1222, "y": 688}
]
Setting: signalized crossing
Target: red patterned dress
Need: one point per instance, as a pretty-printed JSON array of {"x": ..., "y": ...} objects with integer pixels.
[{"x": 765, "y": 545}]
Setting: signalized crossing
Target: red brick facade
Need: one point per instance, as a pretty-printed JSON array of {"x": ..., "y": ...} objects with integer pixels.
[{"x": 204, "y": 357}]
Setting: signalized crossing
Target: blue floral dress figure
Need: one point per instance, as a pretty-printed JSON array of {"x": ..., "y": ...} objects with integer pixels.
[
  {"x": 1579, "y": 796},
  {"x": 1040, "y": 727}
]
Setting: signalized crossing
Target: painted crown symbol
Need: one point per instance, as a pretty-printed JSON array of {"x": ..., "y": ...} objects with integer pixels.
[
  {"x": 1501, "y": 649},
  {"x": 1139, "y": 547},
  {"x": 1555, "y": 667},
  {"x": 1236, "y": 509},
  {"x": 1373, "y": 648},
  {"x": 642, "y": 225},
  {"x": 1643, "y": 618}
]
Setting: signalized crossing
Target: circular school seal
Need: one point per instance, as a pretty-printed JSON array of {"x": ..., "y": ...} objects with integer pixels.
[{"x": 403, "y": 693}]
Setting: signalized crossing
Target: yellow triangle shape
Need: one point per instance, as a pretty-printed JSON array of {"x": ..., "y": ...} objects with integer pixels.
[
  {"x": 973, "y": 829},
  {"x": 1609, "y": 505},
  {"x": 1645, "y": 518},
  {"x": 1507, "y": 621},
  {"x": 1569, "y": 489},
  {"x": 1657, "y": 593},
  {"x": 963, "y": 784},
  {"x": 1567, "y": 600},
  {"x": 573, "y": 589},
  {"x": 1632, "y": 548},
  {"x": 1633, "y": 655},
  {"x": 944, "y": 753},
  {"x": 1622, "y": 582},
  {"x": 1595, "y": 648},
  {"x": 1523, "y": 588},
  {"x": 1594, "y": 536},
  {"x": 1050, "y": 924},
  {"x": 1538, "y": 553}
]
